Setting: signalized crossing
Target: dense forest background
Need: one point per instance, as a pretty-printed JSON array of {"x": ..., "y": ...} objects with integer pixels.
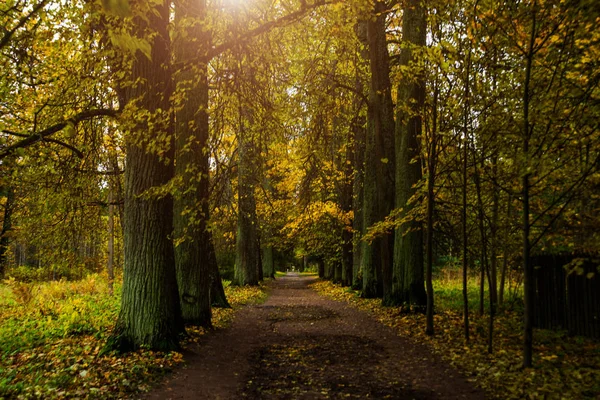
[{"x": 384, "y": 144}]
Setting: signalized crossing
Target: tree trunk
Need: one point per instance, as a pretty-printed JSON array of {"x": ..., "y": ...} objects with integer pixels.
[
  {"x": 408, "y": 284},
  {"x": 492, "y": 278},
  {"x": 360, "y": 133},
  {"x": 111, "y": 241},
  {"x": 150, "y": 313},
  {"x": 6, "y": 227},
  {"x": 247, "y": 252},
  {"x": 217, "y": 292},
  {"x": 527, "y": 267},
  {"x": 465, "y": 183},
  {"x": 191, "y": 167},
  {"x": 268, "y": 264},
  {"x": 321, "y": 267},
  {"x": 483, "y": 264},
  {"x": 505, "y": 251},
  {"x": 346, "y": 206},
  {"x": 431, "y": 167},
  {"x": 379, "y": 163}
]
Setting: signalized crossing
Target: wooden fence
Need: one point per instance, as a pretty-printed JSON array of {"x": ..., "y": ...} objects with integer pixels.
[{"x": 566, "y": 300}]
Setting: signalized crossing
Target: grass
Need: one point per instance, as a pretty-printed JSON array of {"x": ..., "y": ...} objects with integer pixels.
[
  {"x": 565, "y": 367},
  {"x": 51, "y": 335}
]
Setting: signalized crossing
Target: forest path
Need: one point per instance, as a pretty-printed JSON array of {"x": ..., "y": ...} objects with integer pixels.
[{"x": 301, "y": 345}]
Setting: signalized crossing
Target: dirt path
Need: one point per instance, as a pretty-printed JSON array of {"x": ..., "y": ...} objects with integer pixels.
[{"x": 300, "y": 345}]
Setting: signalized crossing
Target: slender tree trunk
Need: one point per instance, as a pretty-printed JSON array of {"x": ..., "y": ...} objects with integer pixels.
[
  {"x": 527, "y": 267},
  {"x": 150, "y": 313},
  {"x": 482, "y": 234},
  {"x": 111, "y": 241},
  {"x": 465, "y": 238},
  {"x": 346, "y": 206},
  {"x": 505, "y": 252},
  {"x": 360, "y": 133},
  {"x": 492, "y": 279},
  {"x": 431, "y": 167},
  {"x": 408, "y": 284}
]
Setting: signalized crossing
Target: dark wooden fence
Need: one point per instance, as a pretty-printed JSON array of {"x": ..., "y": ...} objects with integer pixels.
[{"x": 566, "y": 300}]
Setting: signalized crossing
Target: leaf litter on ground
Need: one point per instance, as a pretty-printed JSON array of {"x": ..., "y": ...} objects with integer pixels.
[
  {"x": 51, "y": 335},
  {"x": 565, "y": 367}
]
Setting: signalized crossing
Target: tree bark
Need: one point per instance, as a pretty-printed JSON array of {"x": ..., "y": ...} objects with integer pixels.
[
  {"x": 527, "y": 267},
  {"x": 110, "y": 269},
  {"x": 408, "y": 282},
  {"x": 6, "y": 227},
  {"x": 247, "y": 261},
  {"x": 191, "y": 167},
  {"x": 379, "y": 162},
  {"x": 217, "y": 292},
  {"x": 268, "y": 263},
  {"x": 360, "y": 133},
  {"x": 431, "y": 170},
  {"x": 150, "y": 314}
]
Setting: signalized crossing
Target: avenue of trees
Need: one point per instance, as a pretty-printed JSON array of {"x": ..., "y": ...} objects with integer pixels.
[{"x": 375, "y": 139}]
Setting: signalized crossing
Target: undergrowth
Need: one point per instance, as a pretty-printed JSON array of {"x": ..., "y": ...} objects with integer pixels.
[
  {"x": 565, "y": 367},
  {"x": 51, "y": 335}
]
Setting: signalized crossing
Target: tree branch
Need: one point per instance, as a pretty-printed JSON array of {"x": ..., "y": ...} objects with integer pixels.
[
  {"x": 43, "y": 135},
  {"x": 8, "y": 35},
  {"x": 50, "y": 140},
  {"x": 245, "y": 37}
]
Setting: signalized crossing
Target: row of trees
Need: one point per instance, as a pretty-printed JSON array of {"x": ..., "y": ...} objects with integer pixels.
[{"x": 373, "y": 137}]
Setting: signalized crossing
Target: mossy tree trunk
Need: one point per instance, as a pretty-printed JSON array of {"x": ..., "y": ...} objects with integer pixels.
[
  {"x": 268, "y": 263},
  {"x": 247, "y": 262},
  {"x": 408, "y": 283},
  {"x": 217, "y": 292},
  {"x": 359, "y": 132},
  {"x": 150, "y": 313},
  {"x": 191, "y": 167},
  {"x": 379, "y": 162}
]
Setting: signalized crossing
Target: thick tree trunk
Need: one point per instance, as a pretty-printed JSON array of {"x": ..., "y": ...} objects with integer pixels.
[
  {"x": 247, "y": 262},
  {"x": 6, "y": 227},
  {"x": 191, "y": 167},
  {"x": 408, "y": 282},
  {"x": 380, "y": 160},
  {"x": 150, "y": 313},
  {"x": 217, "y": 292},
  {"x": 268, "y": 263}
]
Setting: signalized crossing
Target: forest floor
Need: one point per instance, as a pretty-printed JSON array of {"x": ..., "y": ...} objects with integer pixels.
[{"x": 302, "y": 345}]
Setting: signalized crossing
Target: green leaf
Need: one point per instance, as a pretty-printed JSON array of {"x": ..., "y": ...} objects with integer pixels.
[{"x": 119, "y": 8}]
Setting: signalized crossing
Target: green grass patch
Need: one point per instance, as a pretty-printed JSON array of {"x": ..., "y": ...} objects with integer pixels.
[{"x": 51, "y": 335}]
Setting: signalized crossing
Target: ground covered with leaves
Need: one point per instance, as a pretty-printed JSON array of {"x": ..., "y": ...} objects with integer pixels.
[
  {"x": 301, "y": 345},
  {"x": 51, "y": 335},
  {"x": 564, "y": 367}
]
